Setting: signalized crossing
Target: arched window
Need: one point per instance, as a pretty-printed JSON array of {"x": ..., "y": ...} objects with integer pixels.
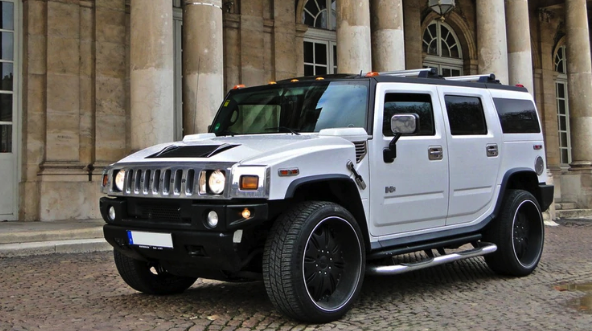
[
  {"x": 442, "y": 49},
  {"x": 320, "y": 40},
  {"x": 562, "y": 106}
]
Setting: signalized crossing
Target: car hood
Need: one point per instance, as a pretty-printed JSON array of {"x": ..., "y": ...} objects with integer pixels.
[{"x": 244, "y": 149}]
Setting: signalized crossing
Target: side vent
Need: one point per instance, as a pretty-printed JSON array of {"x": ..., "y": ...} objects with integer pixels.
[{"x": 360, "y": 150}]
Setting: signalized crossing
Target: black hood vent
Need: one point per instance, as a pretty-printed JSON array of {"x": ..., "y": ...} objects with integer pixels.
[{"x": 174, "y": 151}]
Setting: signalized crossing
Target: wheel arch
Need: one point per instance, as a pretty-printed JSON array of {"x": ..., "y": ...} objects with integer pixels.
[
  {"x": 337, "y": 188},
  {"x": 519, "y": 179}
]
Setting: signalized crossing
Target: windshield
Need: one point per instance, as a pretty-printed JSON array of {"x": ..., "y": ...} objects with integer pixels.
[{"x": 301, "y": 107}]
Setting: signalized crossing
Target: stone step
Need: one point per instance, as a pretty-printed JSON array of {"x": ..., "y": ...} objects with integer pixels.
[
  {"x": 52, "y": 247},
  {"x": 27, "y": 232},
  {"x": 565, "y": 205},
  {"x": 574, "y": 213}
]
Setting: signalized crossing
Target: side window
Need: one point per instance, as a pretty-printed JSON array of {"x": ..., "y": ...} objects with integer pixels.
[
  {"x": 517, "y": 116},
  {"x": 465, "y": 115},
  {"x": 406, "y": 103}
]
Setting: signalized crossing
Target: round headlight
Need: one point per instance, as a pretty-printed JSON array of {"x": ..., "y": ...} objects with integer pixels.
[
  {"x": 119, "y": 179},
  {"x": 217, "y": 181},
  {"x": 212, "y": 219}
]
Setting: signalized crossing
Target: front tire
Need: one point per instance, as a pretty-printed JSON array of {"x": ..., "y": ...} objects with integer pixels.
[
  {"x": 519, "y": 233},
  {"x": 149, "y": 277},
  {"x": 314, "y": 261}
]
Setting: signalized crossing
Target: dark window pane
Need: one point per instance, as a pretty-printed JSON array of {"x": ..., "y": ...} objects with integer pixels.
[
  {"x": 562, "y": 123},
  {"x": 308, "y": 52},
  {"x": 455, "y": 72},
  {"x": 517, "y": 116},
  {"x": 7, "y": 16},
  {"x": 432, "y": 31},
  {"x": 446, "y": 72},
  {"x": 322, "y": 19},
  {"x": 321, "y": 54},
  {"x": 311, "y": 6},
  {"x": 454, "y": 52},
  {"x": 560, "y": 91},
  {"x": 465, "y": 115},
  {"x": 7, "y": 44},
  {"x": 335, "y": 55},
  {"x": 5, "y": 138},
  {"x": 6, "y": 75},
  {"x": 321, "y": 70},
  {"x": 433, "y": 47},
  {"x": 307, "y": 19},
  {"x": 563, "y": 137},
  {"x": 308, "y": 70},
  {"x": 445, "y": 51},
  {"x": 564, "y": 156},
  {"x": 405, "y": 103},
  {"x": 561, "y": 107},
  {"x": 5, "y": 107}
]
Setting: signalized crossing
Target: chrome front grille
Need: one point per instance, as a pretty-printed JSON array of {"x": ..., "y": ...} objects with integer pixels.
[
  {"x": 171, "y": 181},
  {"x": 360, "y": 150}
]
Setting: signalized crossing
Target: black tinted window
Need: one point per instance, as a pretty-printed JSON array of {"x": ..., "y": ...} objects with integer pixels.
[
  {"x": 517, "y": 116},
  {"x": 465, "y": 115},
  {"x": 405, "y": 103}
]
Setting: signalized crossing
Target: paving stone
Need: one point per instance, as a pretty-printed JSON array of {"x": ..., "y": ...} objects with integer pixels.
[{"x": 85, "y": 292}]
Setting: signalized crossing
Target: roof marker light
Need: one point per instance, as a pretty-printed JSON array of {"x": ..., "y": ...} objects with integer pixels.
[
  {"x": 372, "y": 74},
  {"x": 239, "y": 86},
  {"x": 294, "y": 80},
  {"x": 319, "y": 78},
  {"x": 272, "y": 83}
]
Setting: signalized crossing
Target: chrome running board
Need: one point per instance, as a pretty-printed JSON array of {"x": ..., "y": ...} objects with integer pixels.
[{"x": 485, "y": 248}]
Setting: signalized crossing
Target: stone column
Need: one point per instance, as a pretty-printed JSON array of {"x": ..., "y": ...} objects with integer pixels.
[
  {"x": 151, "y": 73},
  {"x": 353, "y": 36},
  {"x": 388, "y": 40},
  {"x": 579, "y": 76},
  {"x": 519, "y": 49},
  {"x": 203, "y": 64},
  {"x": 491, "y": 39},
  {"x": 413, "y": 37}
]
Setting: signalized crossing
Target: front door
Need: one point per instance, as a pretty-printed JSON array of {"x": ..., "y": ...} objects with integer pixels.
[
  {"x": 411, "y": 192},
  {"x": 8, "y": 102}
]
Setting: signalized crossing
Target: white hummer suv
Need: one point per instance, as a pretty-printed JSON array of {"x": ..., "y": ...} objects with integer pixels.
[{"x": 311, "y": 183}]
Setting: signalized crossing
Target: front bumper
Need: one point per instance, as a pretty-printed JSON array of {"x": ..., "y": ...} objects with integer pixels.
[{"x": 197, "y": 247}]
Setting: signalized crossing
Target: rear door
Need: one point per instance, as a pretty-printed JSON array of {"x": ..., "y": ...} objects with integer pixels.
[{"x": 474, "y": 149}]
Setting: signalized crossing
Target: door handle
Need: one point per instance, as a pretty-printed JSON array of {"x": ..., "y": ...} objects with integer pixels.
[
  {"x": 435, "y": 153},
  {"x": 491, "y": 150}
]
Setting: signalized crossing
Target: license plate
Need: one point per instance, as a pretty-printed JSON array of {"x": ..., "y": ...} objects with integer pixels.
[{"x": 150, "y": 239}]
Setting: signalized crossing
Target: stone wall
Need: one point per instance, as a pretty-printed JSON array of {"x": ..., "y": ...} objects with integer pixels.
[{"x": 75, "y": 92}]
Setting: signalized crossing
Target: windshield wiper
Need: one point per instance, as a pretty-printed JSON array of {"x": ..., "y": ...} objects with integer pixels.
[{"x": 285, "y": 128}]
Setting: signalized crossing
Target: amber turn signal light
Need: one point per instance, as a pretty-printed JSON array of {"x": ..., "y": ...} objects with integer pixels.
[
  {"x": 249, "y": 182},
  {"x": 105, "y": 180}
]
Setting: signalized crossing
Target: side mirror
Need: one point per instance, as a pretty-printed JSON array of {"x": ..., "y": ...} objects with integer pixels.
[
  {"x": 401, "y": 124},
  {"x": 404, "y": 124}
]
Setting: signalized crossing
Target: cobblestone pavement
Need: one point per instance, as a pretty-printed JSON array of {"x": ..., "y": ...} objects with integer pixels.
[{"x": 84, "y": 292}]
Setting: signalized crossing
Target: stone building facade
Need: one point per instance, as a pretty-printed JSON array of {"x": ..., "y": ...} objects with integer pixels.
[{"x": 86, "y": 82}]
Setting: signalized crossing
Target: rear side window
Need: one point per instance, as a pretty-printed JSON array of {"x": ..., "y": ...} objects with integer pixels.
[
  {"x": 406, "y": 103},
  {"x": 517, "y": 116},
  {"x": 465, "y": 115}
]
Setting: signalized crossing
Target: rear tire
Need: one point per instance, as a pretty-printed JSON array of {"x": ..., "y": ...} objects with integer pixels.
[
  {"x": 314, "y": 262},
  {"x": 519, "y": 233},
  {"x": 149, "y": 277}
]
